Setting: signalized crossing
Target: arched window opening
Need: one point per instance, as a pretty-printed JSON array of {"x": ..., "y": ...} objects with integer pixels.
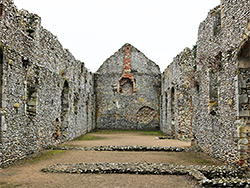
[
  {"x": 126, "y": 86},
  {"x": 243, "y": 100},
  {"x": 244, "y": 56},
  {"x": 243, "y": 90}
]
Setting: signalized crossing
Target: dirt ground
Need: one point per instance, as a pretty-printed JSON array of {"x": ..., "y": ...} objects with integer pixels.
[
  {"x": 27, "y": 173},
  {"x": 128, "y": 139}
]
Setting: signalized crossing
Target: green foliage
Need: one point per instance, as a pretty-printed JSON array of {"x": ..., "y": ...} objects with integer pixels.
[{"x": 198, "y": 158}]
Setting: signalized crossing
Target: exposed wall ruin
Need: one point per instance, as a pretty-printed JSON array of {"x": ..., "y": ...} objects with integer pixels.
[
  {"x": 217, "y": 103},
  {"x": 44, "y": 90},
  {"x": 127, "y": 88},
  {"x": 216, "y": 112},
  {"x": 47, "y": 97},
  {"x": 176, "y": 96}
]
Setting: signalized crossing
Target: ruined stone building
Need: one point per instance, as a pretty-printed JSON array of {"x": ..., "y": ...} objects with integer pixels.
[
  {"x": 206, "y": 91},
  {"x": 127, "y": 89},
  {"x": 222, "y": 103},
  {"x": 48, "y": 97},
  {"x": 176, "y": 96}
]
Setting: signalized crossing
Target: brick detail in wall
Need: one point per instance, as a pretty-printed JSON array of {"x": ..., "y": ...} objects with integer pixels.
[{"x": 126, "y": 73}]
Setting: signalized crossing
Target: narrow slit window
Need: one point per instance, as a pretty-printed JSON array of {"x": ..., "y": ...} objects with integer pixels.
[
  {"x": 31, "y": 101},
  {"x": 217, "y": 23},
  {"x": 213, "y": 92},
  {"x": 64, "y": 100}
]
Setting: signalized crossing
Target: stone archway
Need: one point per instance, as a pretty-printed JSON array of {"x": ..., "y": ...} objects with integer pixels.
[
  {"x": 126, "y": 86},
  {"x": 243, "y": 86},
  {"x": 243, "y": 102}
]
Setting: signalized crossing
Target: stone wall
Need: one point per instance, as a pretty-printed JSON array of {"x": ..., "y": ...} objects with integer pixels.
[
  {"x": 46, "y": 95},
  {"x": 207, "y": 92},
  {"x": 176, "y": 96},
  {"x": 127, "y": 88},
  {"x": 222, "y": 37}
]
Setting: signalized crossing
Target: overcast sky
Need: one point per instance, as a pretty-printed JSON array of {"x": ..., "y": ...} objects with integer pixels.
[{"x": 93, "y": 30}]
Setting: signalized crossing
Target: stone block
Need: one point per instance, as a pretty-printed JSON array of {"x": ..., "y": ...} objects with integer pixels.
[
  {"x": 245, "y": 113},
  {"x": 245, "y": 129},
  {"x": 244, "y": 64},
  {"x": 3, "y": 124},
  {"x": 16, "y": 105},
  {"x": 194, "y": 142},
  {"x": 243, "y": 99},
  {"x": 31, "y": 102}
]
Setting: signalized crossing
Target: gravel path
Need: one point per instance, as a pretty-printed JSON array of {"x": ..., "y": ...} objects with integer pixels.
[{"x": 28, "y": 173}]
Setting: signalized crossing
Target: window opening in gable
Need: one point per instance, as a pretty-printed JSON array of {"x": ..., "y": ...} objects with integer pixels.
[{"x": 126, "y": 86}]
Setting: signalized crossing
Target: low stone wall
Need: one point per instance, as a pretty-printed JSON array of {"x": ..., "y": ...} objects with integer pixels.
[
  {"x": 207, "y": 176},
  {"x": 129, "y": 148}
]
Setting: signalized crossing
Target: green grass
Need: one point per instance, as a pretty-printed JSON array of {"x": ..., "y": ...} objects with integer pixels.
[
  {"x": 44, "y": 155},
  {"x": 95, "y": 134},
  {"x": 198, "y": 158},
  {"x": 89, "y": 137},
  {"x": 2, "y": 184},
  {"x": 140, "y": 132}
]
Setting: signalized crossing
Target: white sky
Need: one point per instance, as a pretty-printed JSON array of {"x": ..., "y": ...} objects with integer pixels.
[{"x": 93, "y": 30}]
